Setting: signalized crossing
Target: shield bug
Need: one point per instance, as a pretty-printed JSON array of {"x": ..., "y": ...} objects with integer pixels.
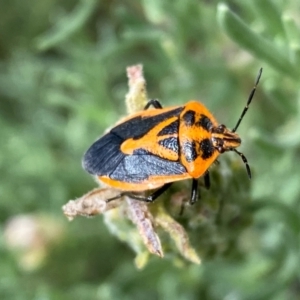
[{"x": 152, "y": 149}]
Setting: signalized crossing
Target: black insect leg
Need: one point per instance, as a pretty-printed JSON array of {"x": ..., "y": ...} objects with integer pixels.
[
  {"x": 207, "y": 180},
  {"x": 154, "y": 102},
  {"x": 195, "y": 189},
  {"x": 150, "y": 198},
  {"x": 194, "y": 193}
]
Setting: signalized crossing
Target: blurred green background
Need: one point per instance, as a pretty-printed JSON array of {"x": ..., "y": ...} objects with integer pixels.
[{"x": 63, "y": 81}]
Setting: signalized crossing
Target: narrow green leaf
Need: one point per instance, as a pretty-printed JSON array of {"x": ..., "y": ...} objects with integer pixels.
[
  {"x": 292, "y": 31},
  {"x": 67, "y": 26},
  {"x": 295, "y": 54},
  {"x": 268, "y": 13},
  {"x": 261, "y": 48}
]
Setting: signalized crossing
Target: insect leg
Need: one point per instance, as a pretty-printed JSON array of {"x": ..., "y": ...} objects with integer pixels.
[
  {"x": 154, "y": 195},
  {"x": 150, "y": 198},
  {"x": 154, "y": 102},
  {"x": 195, "y": 189},
  {"x": 194, "y": 194},
  {"x": 207, "y": 180}
]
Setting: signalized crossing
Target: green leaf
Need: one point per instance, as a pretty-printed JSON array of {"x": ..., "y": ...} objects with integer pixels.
[
  {"x": 269, "y": 14},
  {"x": 67, "y": 26},
  {"x": 261, "y": 48}
]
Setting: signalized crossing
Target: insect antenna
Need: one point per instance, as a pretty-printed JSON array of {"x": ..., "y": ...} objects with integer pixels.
[
  {"x": 243, "y": 157},
  {"x": 249, "y": 101}
]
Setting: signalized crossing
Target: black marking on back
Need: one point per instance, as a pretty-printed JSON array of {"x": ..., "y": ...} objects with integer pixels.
[
  {"x": 170, "y": 143},
  {"x": 189, "y": 151},
  {"x": 189, "y": 118},
  {"x": 207, "y": 148},
  {"x": 138, "y": 126},
  {"x": 141, "y": 151},
  {"x": 204, "y": 122},
  {"x": 170, "y": 129}
]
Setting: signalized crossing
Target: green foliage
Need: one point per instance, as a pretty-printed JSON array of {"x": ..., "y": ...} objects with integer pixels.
[{"x": 63, "y": 81}]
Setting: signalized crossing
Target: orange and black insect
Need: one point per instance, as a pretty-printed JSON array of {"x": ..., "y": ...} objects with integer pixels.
[{"x": 153, "y": 148}]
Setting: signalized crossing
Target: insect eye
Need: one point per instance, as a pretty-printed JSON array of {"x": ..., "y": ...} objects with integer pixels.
[
  {"x": 221, "y": 149},
  {"x": 220, "y": 128}
]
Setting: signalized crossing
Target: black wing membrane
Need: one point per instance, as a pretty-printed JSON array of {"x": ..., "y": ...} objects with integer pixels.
[{"x": 103, "y": 156}]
